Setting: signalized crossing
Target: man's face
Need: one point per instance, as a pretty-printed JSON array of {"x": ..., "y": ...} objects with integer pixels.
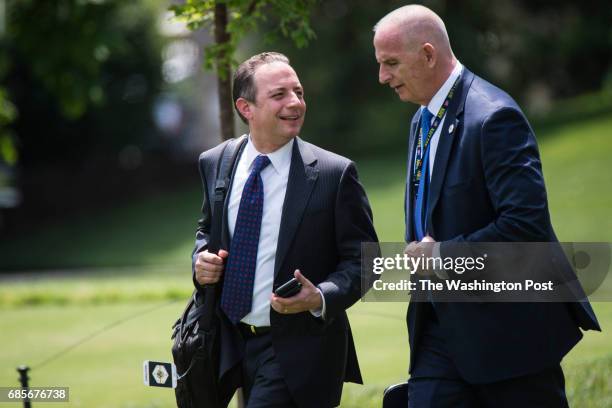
[
  {"x": 278, "y": 112},
  {"x": 403, "y": 69}
]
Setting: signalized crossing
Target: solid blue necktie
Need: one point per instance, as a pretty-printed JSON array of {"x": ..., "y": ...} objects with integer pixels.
[
  {"x": 420, "y": 208},
  {"x": 237, "y": 294}
]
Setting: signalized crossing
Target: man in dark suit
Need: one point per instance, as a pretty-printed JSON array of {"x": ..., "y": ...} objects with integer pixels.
[
  {"x": 474, "y": 175},
  {"x": 293, "y": 210}
]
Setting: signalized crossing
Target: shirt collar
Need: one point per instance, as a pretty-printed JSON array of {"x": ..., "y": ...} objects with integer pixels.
[
  {"x": 438, "y": 99},
  {"x": 280, "y": 159}
]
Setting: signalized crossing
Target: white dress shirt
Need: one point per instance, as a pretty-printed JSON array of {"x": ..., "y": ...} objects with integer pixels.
[
  {"x": 434, "y": 106},
  {"x": 275, "y": 177}
]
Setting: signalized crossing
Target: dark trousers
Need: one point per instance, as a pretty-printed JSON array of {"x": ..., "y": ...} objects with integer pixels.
[
  {"x": 435, "y": 382},
  {"x": 263, "y": 382}
]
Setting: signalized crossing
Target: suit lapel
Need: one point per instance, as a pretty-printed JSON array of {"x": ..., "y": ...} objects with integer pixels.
[
  {"x": 452, "y": 122},
  {"x": 303, "y": 174}
]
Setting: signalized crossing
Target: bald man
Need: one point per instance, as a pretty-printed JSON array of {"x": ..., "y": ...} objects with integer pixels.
[{"x": 474, "y": 175}]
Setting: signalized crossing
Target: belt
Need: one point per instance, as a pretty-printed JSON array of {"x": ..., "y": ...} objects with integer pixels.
[{"x": 248, "y": 331}]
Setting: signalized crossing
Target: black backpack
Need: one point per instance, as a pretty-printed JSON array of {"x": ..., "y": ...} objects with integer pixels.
[{"x": 196, "y": 345}]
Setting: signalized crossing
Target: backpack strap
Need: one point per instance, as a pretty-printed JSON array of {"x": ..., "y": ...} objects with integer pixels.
[{"x": 224, "y": 170}]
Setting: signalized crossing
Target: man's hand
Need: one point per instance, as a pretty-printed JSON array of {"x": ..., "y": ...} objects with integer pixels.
[
  {"x": 209, "y": 267},
  {"x": 308, "y": 298},
  {"x": 421, "y": 249}
]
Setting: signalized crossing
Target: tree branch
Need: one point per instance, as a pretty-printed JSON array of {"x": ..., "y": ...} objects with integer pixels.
[{"x": 251, "y": 7}]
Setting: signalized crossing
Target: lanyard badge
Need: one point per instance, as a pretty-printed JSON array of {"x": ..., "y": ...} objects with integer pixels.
[{"x": 422, "y": 146}]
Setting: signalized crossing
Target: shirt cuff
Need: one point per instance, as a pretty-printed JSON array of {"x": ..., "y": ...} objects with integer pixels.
[
  {"x": 320, "y": 312},
  {"x": 435, "y": 253}
]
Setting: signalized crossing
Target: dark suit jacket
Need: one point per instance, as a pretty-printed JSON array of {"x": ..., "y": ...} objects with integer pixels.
[
  {"x": 487, "y": 186},
  {"x": 326, "y": 216}
]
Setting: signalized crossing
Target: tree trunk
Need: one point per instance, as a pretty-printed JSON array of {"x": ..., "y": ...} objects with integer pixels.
[{"x": 224, "y": 74}]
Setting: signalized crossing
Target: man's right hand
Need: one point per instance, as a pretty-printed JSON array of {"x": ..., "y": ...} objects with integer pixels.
[{"x": 209, "y": 267}]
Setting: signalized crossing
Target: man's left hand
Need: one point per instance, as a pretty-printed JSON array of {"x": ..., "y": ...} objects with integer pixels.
[
  {"x": 308, "y": 298},
  {"x": 423, "y": 248}
]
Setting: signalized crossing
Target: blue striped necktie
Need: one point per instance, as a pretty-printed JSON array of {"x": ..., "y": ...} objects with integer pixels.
[
  {"x": 420, "y": 208},
  {"x": 237, "y": 294}
]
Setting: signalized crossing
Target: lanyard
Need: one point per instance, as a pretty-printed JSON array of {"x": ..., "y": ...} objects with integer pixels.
[{"x": 421, "y": 147}]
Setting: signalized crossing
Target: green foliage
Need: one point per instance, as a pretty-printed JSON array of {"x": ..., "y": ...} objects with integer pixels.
[
  {"x": 69, "y": 44},
  {"x": 82, "y": 74},
  {"x": 8, "y": 151},
  {"x": 66, "y": 61},
  {"x": 8, "y": 113},
  {"x": 539, "y": 52},
  {"x": 291, "y": 19}
]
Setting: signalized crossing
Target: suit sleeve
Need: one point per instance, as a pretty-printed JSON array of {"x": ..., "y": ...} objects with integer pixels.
[
  {"x": 353, "y": 225},
  {"x": 514, "y": 181},
  {"x": 203, "y": 229}
]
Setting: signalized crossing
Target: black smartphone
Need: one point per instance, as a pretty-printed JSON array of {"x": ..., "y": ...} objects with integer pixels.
[{"x": 288, "y": 289}]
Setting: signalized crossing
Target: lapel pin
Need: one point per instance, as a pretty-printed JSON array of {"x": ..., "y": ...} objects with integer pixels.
[{"x": 451, "y": 128}]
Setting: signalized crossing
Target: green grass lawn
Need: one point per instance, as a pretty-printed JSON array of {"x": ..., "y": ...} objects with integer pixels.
[
  {"x": 578, "y": 170},
  {"x": 131, "y": 259},
  {"x": 105, "y": 371}
]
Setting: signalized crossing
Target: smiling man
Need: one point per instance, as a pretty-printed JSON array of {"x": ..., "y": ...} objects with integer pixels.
[
  {"x": 293, "y": 210},
  {"x": 474, "y": 175}
]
